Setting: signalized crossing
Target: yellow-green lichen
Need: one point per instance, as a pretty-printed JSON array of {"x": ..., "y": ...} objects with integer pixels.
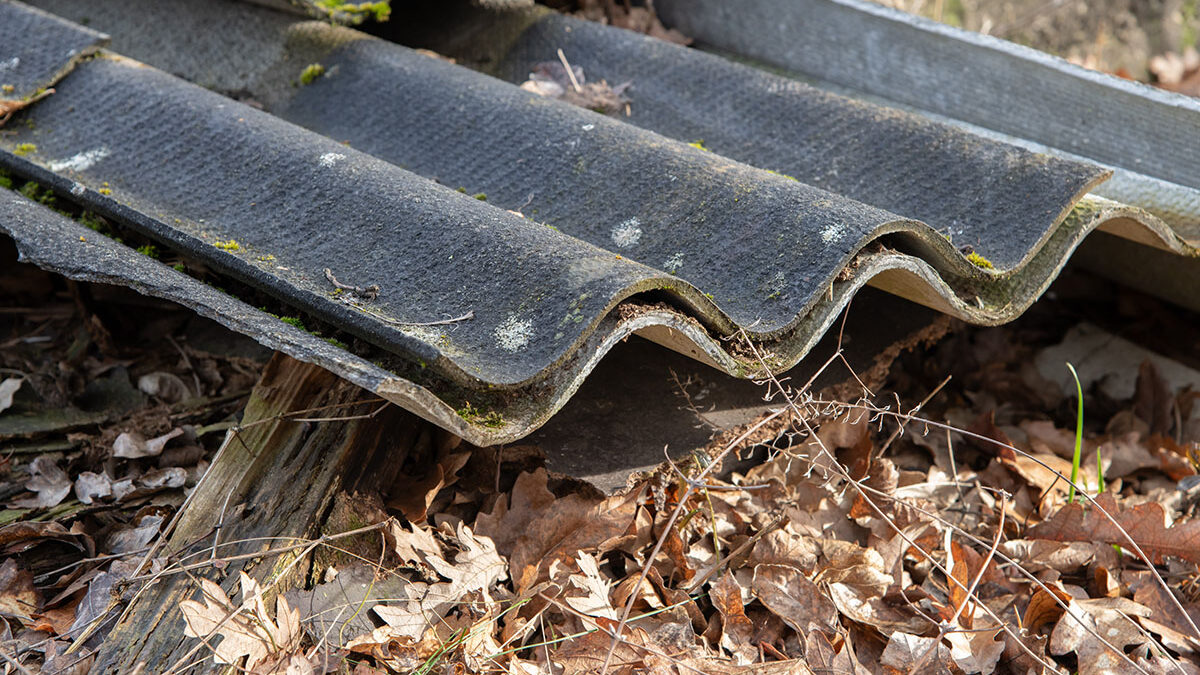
[
  {"x": 7, "y": 88},
  {"x": 311, "y": 72},
  {"x": 480, "y": 196},
  {"x": 979, "y": 261},
  {"x": 491, "y": 418},
  {"x": 24, "y": 149},
  {"x": 355, "y": 12},
  {"x": 149, "y": 250},
  {"x": 699, "y": 145},
  {"x": 229, "y": 245}
]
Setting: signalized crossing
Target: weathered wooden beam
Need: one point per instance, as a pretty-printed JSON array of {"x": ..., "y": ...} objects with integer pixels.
[{"x": 279, "y": 477}]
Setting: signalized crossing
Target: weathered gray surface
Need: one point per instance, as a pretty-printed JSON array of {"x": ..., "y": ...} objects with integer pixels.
[
  {"x": 974, "y": 78},
  {"x": 37, "y": 48},
  {"x": 626, "y": 229}
]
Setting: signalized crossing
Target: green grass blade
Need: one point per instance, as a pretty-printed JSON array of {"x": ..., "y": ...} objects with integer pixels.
[{"x": 1078, "y": 438}]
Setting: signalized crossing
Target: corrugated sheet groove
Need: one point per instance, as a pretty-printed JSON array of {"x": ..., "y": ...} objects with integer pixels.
[{"x": 616, "y": 215}]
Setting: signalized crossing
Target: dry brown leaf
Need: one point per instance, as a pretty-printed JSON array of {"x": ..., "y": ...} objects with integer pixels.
[
  {"x": 416, "y": 497},
  {"x": 1175, "y": 629},
  {"x": 874, "y": 611},
  {"x": 167, "y": 386},
  {"x": 1146, "y": 523},
  {"x": 399, "y": 654},
  {"x": 851, "y": 564},
  {"x": 1046, "y": 606},
  {"x": 250, "y": 632},
  {"x": 976, "y": 651},
  {"x": 90, "y": 486},
  {"x": 1108, "y": 617},
  {"x": 737, "y": 631},
  {"x": 564, "y": 528},
  {"x": 48, "y": 482},
  {"x": 594, "y": 601},
  {"x": 821, "y": 656},
  {"x": 884, "y": 478},
  {"x": 1037, "y": 555},
  {"x": 476, "y": 568},
  {"x": 22, "y": 536},
  {"x": 1153, "y": 399},
  {"x": 132, "y": 445},
  {"x": 18, "y": 597},
  {"x": 8, "y": 388},
  {"x": 55, "y": 621},
  {"x": 509, "y": 518},
  {"x": 960, "y": 572},
  {"x": 905, "y": 653},
  {"x": 1126, "y": 454},
  {"x": 794, "y": 598},
  {"x": 412, "y": 546},
  {"x": 786, "y": 547}
]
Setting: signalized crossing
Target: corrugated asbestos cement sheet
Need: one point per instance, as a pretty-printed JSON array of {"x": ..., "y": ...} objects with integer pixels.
[{"x": 587, "y": 228}]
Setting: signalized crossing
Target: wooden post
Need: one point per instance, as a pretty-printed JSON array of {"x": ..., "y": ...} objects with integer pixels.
[{"x": 277, "y": 478}]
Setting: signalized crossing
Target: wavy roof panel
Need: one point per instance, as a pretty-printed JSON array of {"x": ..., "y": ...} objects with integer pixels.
[{"x": 588, "y": 228}]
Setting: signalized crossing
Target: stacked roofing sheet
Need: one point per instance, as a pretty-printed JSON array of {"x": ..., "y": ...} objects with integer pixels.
[{"x": 731, "y": 202}]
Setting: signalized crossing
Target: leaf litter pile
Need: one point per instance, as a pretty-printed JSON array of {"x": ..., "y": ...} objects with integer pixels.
[{"x": 841, "y": 533}]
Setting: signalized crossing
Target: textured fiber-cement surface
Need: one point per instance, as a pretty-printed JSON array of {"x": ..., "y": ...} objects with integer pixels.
[
  {"x": 974, "y": 78},
  {"x": 623, "y": 227},
  {"x": 37, "y": 48}
]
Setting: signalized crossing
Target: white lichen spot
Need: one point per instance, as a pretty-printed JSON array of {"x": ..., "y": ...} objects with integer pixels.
[
  {"x": 80, "y": 162},
  {"x": 833, "y": 231},
  {"x": 589, "y": 127},
  {"x": 514, "y": 333},
  {"x": 10, "y": 64},
  {"x": 627, "y": 233},
  {"x": 672, "y": 264},
  {"x": 330, "y": 158},
  {"x": 78, "y": 189},
  {"x": 776, "y": 284}
]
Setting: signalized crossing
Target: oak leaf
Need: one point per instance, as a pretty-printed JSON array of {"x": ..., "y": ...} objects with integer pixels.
[
  {"x": 1145, "y": 523},
  {"x": 249, "y": 631}
]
